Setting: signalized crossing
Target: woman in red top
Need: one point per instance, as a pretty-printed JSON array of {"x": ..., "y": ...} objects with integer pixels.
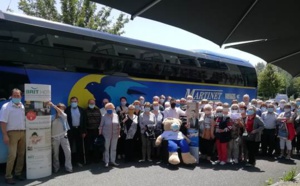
[{"x": 252, "y": 134}]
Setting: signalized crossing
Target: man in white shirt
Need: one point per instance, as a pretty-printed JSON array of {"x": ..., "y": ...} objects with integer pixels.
[
  {"x": 13, "y": 129},
  {"x": 173, "y": 112}
]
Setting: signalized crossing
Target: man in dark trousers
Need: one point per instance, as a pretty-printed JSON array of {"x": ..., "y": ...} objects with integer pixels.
[
  {"x": 77, "y": 132},
  {"x": 93, "y": 119}
]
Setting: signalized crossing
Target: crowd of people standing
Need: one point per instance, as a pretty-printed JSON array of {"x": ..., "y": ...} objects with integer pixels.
[{"x": 228, "y": 132}]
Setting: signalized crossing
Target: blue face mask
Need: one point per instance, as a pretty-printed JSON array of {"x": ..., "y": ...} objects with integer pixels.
[
  {"x": 147, "y": 109},
  {"x": 137, "y": 107},
  {"x": 123, "y": 103},
  {"x": 270, "y": 110},
  {"x": 250, "y": 112},
  {"x": 74, "y": 104},
  {"x": 91, "y": 106},
  {"x": 155, "y": 107},
  {"x": 298, "y": 103},
  {"x": 175, "y": 127},
  {"x": 16, "y": 100},
  {"x": 263, "y": 109},
  {"x": 109, "y": 111},
  {"x": 298, "y": 111},
  {"x": 287, "y": 110}
]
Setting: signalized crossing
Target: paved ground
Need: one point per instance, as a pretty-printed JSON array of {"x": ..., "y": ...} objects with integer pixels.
[{"x": 150, "y": 174}]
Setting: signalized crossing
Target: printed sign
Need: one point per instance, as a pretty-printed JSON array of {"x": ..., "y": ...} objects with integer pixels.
[
  {"x": 38, "y": 131},
  {"x": 192, "y": 113}
]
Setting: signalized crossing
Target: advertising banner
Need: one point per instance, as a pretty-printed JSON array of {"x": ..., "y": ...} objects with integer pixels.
[
  {"x": 38, "y": 131},
  {"x": 192, "y": 113}
]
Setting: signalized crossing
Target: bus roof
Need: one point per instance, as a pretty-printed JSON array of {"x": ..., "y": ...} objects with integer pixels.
[{"x": 39, "y": 22}]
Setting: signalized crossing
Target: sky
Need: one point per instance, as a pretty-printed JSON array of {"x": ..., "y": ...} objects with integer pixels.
[{"x": 159, "y": 33}]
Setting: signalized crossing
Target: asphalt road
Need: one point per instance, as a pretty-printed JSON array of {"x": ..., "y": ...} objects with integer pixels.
[{"x": 150, "y": 174}]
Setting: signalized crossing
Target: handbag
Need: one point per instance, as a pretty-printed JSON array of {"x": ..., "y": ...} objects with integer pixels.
[{"x": 99, "y": 143}]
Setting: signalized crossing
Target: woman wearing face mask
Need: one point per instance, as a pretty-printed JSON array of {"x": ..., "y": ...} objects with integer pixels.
[
  {"x": 159, "y": 127},
  {"x": 130, "y": 128},
  {"x": 137, "y": 107},
  {"x": 110, "y": 128},
  {"x": 206, "y": 134},
  {"x": 122, "y": 111},
  {"x": 286, "y": 131},
  {"x": 252, "y": 134},
  {"x": 222, "y": 129},
  {"x": 234, "y": 144},
  {"x": 226, "y": 110},
  {"x": 146, "y": 123},
  {"x": 296, "y": 119}
]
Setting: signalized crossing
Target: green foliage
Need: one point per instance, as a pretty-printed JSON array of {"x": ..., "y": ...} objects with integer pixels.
[
  {"x": 270, "y": 181},
  {"x": 259, "y": 67},
  {"x": 82, "y": 13},
  {"x": 270, "y": 82},
  {"x": 290, "y": 175}
]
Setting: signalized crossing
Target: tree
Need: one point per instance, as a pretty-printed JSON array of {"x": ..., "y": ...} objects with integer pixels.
[
  {"x": 259, "y": 67},
  {"x": 82, "y": 13},
  {"x": 270, "y": 82}
]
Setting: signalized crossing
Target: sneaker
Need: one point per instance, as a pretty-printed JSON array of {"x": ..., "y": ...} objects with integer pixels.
[
  {"x": 106, "y": 165},
  {"x": 69, "y": 170},
  {"x": 216, "y": 162},
  {"x": 229, "y": 160},
  {"x": 10, "y": 181},
  {"x": 142, "y": 160},
  {"x": 79, "y": 165},
  {"x": 288, "y": 157},
  {"x": 222, "y": 163},
  {"x": 150, "y": 160},
  {"x": 115, "y": 164},
  {"x": 235, "y": 160}
]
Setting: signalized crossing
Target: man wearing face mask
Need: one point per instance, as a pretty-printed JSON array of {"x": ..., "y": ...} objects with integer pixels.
[
  {"x": 93, "y": 118},
  {"x": 173, "y": 111},
  {"x": 268, "y": 136},
  {"x": 281, "y": 106},
  {"x": 102, "y": 110},
  {"x": 142, "y": 101},
  {"x": 159, "y": 100},
  {"x": 77, "y": 131},
  {"x": 12, "y": 122}
]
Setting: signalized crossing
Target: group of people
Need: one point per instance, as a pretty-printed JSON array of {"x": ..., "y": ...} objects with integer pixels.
[{"x": 228, "y": 132}]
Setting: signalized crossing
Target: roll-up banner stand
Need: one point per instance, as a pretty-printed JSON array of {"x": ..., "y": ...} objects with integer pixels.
[{"x": 38, "y": 131}]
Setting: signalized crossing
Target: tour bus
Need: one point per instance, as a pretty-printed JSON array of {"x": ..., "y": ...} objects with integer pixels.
[{"x": 90, "y": 64}]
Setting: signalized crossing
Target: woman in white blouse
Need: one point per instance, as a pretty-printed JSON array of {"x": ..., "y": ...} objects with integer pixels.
[{"x": 110, "y": 129}]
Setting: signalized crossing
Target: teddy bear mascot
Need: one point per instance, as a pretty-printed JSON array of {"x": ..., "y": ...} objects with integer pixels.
[{"x": 175, "y": 139}]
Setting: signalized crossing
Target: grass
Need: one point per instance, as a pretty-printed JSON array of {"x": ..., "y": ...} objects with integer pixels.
[
  {"x": 269, "y": 181},
  {"x": 290, "y": 175}
]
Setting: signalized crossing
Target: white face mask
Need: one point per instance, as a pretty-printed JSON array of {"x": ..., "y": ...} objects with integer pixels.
[
  {"x": 242, "y": 110},
  {"x": 234, "y": 111},
  {"x": 207, "y": 112}
]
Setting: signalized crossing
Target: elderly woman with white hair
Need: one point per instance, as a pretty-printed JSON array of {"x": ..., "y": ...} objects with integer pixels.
[
  {"x": 252, "y": 134},
  {"x": 206, "y": 134},
  {"x": 222, "y": 129},
  {"x": 110, "y": 129},
  {"x": 237, "y": 127}
]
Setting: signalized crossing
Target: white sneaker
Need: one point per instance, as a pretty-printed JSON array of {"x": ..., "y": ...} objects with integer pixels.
[
  {"x": 79, "y": 165},
  {"x": 236, "y": 161},
  {"x": 216, "y": 162},
  {"x": 142, "y": 160},
  {"x": 222, "y": 163},
  {"x": 229, "y": 160},
  {"x": 106, "y": 165},
  {"x": 150, "y": 160}
]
